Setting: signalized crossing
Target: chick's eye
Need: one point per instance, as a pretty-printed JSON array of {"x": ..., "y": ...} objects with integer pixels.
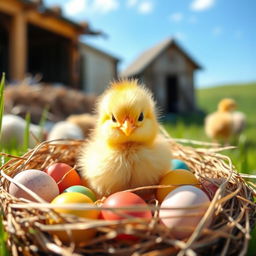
[
  {"x": 113, "y": 118},
  {"x": 141, "y": 117}
]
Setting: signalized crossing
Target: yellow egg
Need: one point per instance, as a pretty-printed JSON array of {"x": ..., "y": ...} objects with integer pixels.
[
  {"x": 76, "y": 236},
  {"x": 175, "y": 178}
]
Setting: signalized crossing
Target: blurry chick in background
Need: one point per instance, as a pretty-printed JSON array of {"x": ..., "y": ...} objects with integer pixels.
[
  {"x": 125, "y": 150},
  {"x": 239, "y": 122},
  {"x": 219, "y": 125}
]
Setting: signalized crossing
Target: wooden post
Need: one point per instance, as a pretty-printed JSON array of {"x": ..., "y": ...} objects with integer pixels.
[
  {"x": 74, "y": 64},
  {"x": 18, "y": 47}
]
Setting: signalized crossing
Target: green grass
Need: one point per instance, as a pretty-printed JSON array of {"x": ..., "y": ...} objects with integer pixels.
[
  {"x": 191, "y": 127},
  {"x": 1, "y": 100},
  {"x": 26, "y": 132},
  {"x": 3, "y": 235},
  {"x": 244, "y": 95}
]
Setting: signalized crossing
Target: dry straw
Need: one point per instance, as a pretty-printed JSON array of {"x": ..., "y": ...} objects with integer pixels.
[{"x": 232, "y": 211}]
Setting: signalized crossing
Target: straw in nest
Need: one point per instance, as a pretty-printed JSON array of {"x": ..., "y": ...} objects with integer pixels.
[{"x": 232, "y": 211}]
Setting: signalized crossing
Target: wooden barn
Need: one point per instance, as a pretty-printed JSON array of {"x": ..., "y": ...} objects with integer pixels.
[
  {"x": 169, "y": 72},
  {"x": 98, "y": 69},
  {"x": 39, "y": 40}
]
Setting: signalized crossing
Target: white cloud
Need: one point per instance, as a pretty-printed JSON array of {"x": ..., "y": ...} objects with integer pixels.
[
  {"x": 201, "y": 5},
  {"x": 104, "y": 6},
  {"x": 176, "y": 17},
  {"x": 142, "y": 6},
  {"x": 217, "y": 31},
  {"x": 145, "y": 7},
  {"x": 74, "y": 7},
  {"x": 131, "y": 3}
]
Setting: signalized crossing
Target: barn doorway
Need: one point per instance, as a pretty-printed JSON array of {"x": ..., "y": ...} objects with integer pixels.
[
  {"x": 4, "y": 44},
  {"x": 48, "y": 55},
  {"x": 172, "y": 94}
]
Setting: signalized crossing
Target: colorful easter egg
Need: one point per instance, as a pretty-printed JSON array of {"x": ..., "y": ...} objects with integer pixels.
[
  {"x": 182, "y": 222},
  {"x": 178, "y": 164},
  {"x": 38, "y": 182},
  {"x": 175, "y": 178},
  {"x": 124, "y": 199},
  {"x": 77, "y": 236},
  {"x": 64, "y": 175},
  {"x": 82, "y": 189},
  {"x": 211, "y": 186}
]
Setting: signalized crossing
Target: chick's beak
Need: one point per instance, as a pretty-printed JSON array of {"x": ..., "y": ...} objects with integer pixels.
[{"x": 127, "y": 127}]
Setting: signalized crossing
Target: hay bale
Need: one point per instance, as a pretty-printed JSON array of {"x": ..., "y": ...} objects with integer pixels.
[{"x": 60, "y": 101}]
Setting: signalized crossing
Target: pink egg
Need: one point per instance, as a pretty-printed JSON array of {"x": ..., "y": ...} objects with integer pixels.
[
  {"x": 123, "y": 199},
  {"x": 182, "y": 222},
  {"x": 209, "y": 187},
  {"x": 38, "y": 181}
]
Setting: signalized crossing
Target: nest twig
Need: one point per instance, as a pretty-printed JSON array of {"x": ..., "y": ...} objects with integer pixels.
[{"x": 232, "y": 211}]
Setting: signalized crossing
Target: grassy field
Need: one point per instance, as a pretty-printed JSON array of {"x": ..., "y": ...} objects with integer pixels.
[
  {"x": 245, "y": 96},
  {"x": 191, "y": 127}
]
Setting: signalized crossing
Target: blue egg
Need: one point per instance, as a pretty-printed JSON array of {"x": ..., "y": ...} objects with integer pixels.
[{"x": 178, "y": 164}]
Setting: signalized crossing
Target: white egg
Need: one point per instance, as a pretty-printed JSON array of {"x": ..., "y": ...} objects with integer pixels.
[
  {"x": 13, "y": 129},
  {"x": 182, "y": 222},
  {"x": 65, "y": 130}
]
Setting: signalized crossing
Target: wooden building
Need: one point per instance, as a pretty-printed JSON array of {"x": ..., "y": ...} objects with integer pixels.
[
  {"x": 35, "y": 39},
  {"x": 98, "y": 69},
  {"x": 169, "y": 72}
]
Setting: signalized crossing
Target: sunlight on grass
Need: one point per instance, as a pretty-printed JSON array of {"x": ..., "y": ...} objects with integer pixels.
[
  {"x": 26, "y": 132},
  {"x": 3, "y": 235}
]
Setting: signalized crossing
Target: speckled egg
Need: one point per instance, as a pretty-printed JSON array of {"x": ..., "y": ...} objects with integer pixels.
[{"x": 37, "y": 181}]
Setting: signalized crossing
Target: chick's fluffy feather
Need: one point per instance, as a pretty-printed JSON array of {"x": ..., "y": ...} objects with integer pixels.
[
  {"x": 113, "y": 161},
  {"x": 109, "y": 169}
]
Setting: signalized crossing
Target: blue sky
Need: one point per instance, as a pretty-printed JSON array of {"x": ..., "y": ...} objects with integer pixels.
[{"x": 219, "y": 34}]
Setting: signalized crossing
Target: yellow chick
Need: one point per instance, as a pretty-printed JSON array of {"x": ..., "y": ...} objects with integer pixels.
[
  {"x": 219, "y": 125},
  {"x": 125, "y": 150}
]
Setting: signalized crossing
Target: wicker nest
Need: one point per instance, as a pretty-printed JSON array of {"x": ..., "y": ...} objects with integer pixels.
[{"x": 232, "y": 211}]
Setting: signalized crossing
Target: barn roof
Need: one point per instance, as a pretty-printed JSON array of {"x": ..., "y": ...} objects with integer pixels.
[
  {"x": 101, "y": 52},
  {"x": 56, "y": 12},
  {"x": 147, "y": 57}
]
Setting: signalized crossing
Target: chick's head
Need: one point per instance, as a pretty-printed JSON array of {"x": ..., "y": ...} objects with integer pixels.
[
  {"x": 127, "y": 114},
  {"x": 227, "y": 105}
]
